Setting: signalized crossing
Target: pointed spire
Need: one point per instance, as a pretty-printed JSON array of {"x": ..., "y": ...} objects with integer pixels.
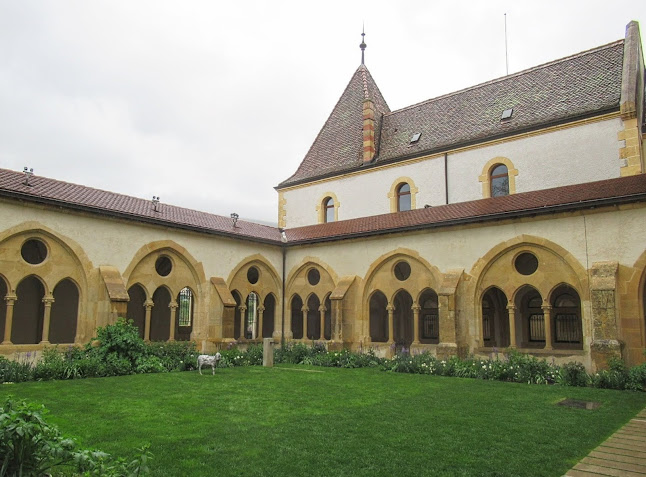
[{"x": 363, "y": 43}]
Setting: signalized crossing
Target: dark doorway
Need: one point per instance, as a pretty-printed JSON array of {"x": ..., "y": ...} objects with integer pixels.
[
  {"x": 313, "y": 318},
  {"x": 378, "y": 317},
  {"x": 403, "y": 320},
  {"x": 495, "y": 319},
  {"x": 268, "y": 316},
  {"x": 297, "y": 317},
  {"x": 160, "y": 316},
  {"x": 136, "y": 310}
]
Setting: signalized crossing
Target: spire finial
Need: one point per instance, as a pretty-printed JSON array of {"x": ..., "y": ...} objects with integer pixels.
[{"x": 363, "y": 43}]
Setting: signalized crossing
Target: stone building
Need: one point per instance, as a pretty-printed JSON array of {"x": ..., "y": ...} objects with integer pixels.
[{"x": 508, "y": 214}]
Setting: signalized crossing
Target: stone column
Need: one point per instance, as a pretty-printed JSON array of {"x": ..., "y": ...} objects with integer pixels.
[
  {"x": 47, "y": 300},
  {"x": 305, "y": 309},
  {"x": 243, "y": 316},
  {"x": 173, "y": 319},
  {"x": 148, "y": 304},
  {"x": 605, "y": 317},
  {"x": 416, "y": 310},
  {"x": 337, "y": 320},
  {"x": 512, "y": 325},
  {"x": 391, "y": 323},
  {"x": 547, "y": 316},
  {"x": 322, "y": 311},
  {"x": 10, "y": 300},
  {"x": 261, "y": 310}
]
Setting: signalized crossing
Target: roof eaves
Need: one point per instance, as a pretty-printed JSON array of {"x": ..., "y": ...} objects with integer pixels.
[
  {"x": 127, "y": 216},
  {"x": 533, "y": 211}
]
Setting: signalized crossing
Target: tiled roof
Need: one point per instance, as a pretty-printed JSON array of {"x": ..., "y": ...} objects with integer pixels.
[
  {"x": 579, "y": 196},
  {"x": 73, "y": 196},
  {"x": 578, "y": 86},
  {"x": 42, "y": 189},
  {"x": 339, "y": 144}
]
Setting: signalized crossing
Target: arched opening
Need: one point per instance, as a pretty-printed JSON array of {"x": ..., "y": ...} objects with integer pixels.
[
  {"x": 237, "y": 316},
  {"x": 403, "y": 320},
  {"x": 268, "y": 316},
  {"x": 429, "y": 319},
  {"x": 495, "y": 319},
  {"x": 251, "y": 317},
  {"x": 499, "y": 180},
  {"x": 160, "y": 315},
  {"x": 64, "y": 314},
  {"x": 403, "y": 197},
  {"x": 530, "y": 322},
  {"x": 3, "y": 308},
  {"x": 328, "y": 210},
  {"x": 327, "y": 321},
  {"x": 136, "y": 310},
  {"x": 378, "y": 317},
  {"x": 28, "y": 312},
  {"x": 297, "y": 317},
  {"x": 566, "y": 317},
  {"x": 313, "y": 318},
  {"x": 184, "y": 318}
]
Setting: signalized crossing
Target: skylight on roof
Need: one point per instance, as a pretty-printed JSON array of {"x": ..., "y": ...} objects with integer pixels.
[
  {"x": 415, "y": 137},
  {"x": 506, "y": 114}
]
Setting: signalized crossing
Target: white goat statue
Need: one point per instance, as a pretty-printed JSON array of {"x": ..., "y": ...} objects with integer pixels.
[{"x": 208, "y": 360}]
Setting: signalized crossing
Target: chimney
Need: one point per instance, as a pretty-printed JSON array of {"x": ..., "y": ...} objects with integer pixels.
[{"x": 368, "y": 131}]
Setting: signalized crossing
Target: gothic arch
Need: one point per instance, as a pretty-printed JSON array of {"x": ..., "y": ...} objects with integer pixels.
[
  {"x": 298, "y": 283},
  {"x": 268, "y": 280}
]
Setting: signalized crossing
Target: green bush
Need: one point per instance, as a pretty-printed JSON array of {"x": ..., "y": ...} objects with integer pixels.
[
  {"x": 174, "y": 355},
  {"x": 118, "y": 343},
  {"x": 637, "y": 378},
  {"x": 574, "y": 374},
  {"x": 15, "y": 371},
  {"x": 29, "y": 446}
]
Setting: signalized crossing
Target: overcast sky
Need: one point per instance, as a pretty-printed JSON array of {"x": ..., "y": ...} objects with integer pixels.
[{"x": 210, "y": 104}]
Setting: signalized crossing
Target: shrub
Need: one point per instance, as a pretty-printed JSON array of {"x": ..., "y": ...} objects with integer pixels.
[
  {"x": 574, "y": 374},
  {"x": 174, "y": 355},
  {"x": 15, "y": 371},
  {"x": 637, "y": 378},
  {"x": 118, "y": 343},
  {"x": 30, "y": 446}
]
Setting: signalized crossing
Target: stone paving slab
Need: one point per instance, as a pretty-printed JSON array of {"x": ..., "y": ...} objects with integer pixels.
[{"x": 622, "y": 455}]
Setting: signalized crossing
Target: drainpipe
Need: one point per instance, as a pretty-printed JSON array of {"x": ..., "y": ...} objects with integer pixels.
[
  {"x": 446, "y": 179},
  {"x": 282, "y": 333}
]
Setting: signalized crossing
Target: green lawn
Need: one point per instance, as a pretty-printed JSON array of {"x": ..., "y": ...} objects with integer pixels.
[{"x": 293, "y": 420}]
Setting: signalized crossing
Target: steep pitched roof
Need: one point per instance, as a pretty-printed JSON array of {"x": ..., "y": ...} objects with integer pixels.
[
  {"x": 339, "y": 143},
  {"x": 582, "y": 85},
  {"x": 74, "y": 196},
  {"x": 546, "y": 201}
]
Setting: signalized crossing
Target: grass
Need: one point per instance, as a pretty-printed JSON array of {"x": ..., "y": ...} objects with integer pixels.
[{"x": 292, "y": 420}]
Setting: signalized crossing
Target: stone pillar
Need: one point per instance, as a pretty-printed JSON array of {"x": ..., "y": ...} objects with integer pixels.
[
  {"x": 512, "y": 325},
  {"x": 10, "y": 300},
  {"x": 337, "y": 320},
  {"x": 322, "y": 311},
  {"x": 547, "y": 316},
  {"x": 391, "y": 323},
  {"x": 243, "y": 316},
  {"x": 261, "y": 310},
  {"x": 447, "y": 346},
  {"x": 304, "y": 310},
  {"x": 173, "y": 319},
  {"x": 268, "y": 352},
  {"x": 605, "y": 326},
  {"x": 148, "y": 304},
  {"x": 416, "y": 310},
  {"x": 47, "y": 300}
]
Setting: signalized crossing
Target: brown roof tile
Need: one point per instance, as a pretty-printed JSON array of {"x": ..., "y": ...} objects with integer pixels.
[
  {"x": 581, "y": 85},
  {"x": 339, "y": 144},
  {"x": 42, "y": 189},
  {"x": 625, "y": 189}
]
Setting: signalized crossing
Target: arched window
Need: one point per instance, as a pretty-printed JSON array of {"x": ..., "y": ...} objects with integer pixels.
[
  {"x": 403, "y": 197},
  {"x": 499, "y": 181},
  {"x": 251, "y": 322},
  {"x": 495, "y": 319},
  {"x": 184, "y": 321},
  {"x": 268, "y": 316},
  {"x": 328, "y": 210},
  {"x": 313, "y": 331},
  {"x": 429, "y": 321},
  {"x": 297, "y": 317},
  {"x": 378, "y": 317},
  {"x": 566, "y": 310},
  {"x": 136, "y": 309},
  {"x": 64, "y": 314},
  {"x": 28, "y": 312},
  {"x": 160, "y": 315}
]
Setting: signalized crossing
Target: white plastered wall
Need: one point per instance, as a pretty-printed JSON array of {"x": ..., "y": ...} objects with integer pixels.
[{"x": 572, "y": 155}]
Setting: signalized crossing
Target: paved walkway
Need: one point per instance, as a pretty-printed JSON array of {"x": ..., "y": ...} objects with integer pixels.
[{"x": 623, "y": 454}]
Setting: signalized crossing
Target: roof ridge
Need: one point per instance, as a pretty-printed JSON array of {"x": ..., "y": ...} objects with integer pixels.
[{"x": 513, "y": 75}]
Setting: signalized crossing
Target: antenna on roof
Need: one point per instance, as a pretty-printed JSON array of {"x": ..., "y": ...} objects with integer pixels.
[
  {"x": 28, "y": 173},
  {"x": 155, "y": 202},
  {"x": 363, "y": 43},
  {"x": 506, "y": 56}
]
